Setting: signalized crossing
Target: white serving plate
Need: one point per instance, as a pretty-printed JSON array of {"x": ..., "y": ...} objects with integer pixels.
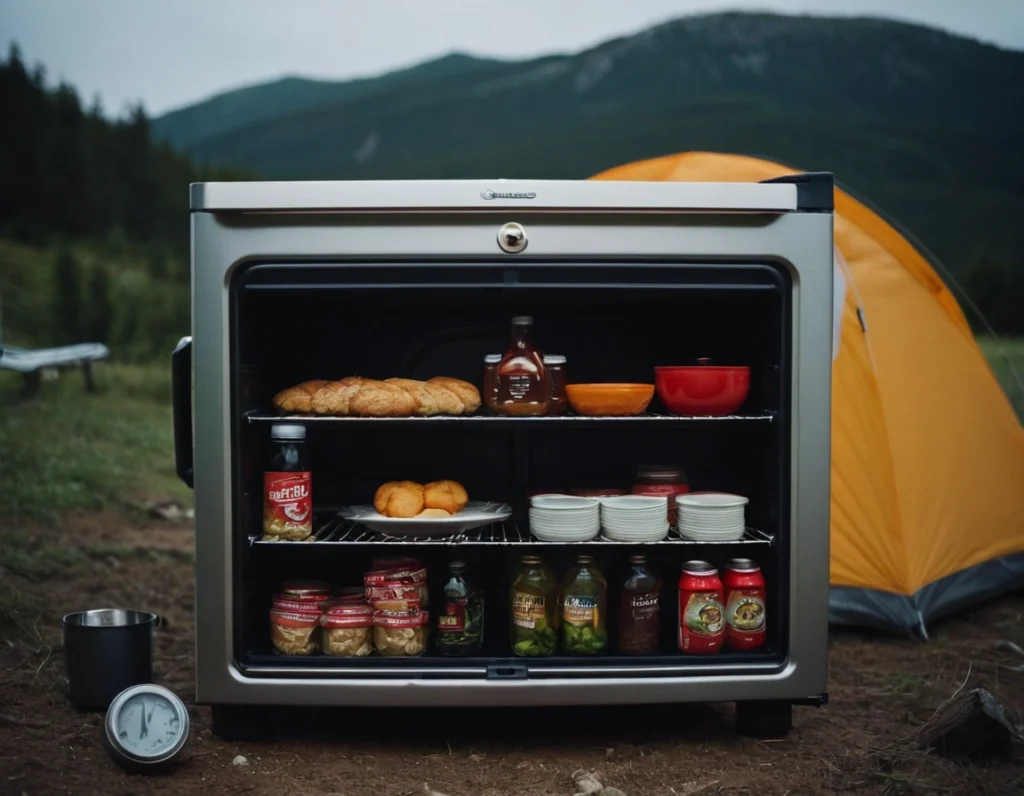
[
  {"x": 711, "y": 501},
  {"x": 476, "y": 514},
  {"x": 564, "y": 503}
]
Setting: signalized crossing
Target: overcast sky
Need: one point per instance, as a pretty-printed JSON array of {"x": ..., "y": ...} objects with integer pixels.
[{"x": 169, "y": 53}]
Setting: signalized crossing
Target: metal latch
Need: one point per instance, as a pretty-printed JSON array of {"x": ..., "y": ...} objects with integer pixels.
[{"x": 507, "y": 671}]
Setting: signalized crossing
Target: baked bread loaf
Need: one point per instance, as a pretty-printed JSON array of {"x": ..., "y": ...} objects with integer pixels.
[
  {"x": 447, "y": 495},
  {"x": 411, "y": 499},
  {"x": 355, "y": 396},
  {"x": 399, "y": 499}
]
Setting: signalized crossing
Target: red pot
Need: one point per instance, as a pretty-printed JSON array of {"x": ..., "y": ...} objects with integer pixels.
[{"x": 702, "y": 389}]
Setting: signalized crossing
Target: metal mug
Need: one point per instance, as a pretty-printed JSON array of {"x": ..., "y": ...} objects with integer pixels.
[{"x": 105, "y": 652}]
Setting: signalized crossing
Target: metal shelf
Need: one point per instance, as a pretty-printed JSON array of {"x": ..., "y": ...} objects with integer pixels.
[
  {"x": 338, "y": 531},
  {"x": 498, "y": 421}
]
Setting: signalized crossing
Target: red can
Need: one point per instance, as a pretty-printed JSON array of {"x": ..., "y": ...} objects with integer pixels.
[
  {"x": 701, "y": 620},
  {"x": 745, "y": 618}
]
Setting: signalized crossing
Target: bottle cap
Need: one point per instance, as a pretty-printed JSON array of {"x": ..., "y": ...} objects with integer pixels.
[
  {"x": 638, "y": 559},
  {"x": 455, "y": 567},
  {"x": 492, "y": 359},
  {"x": 290, "y": 431},
  {"x": 522, "y": 320},
  {"x": 742, "y": 565},
  {"x": 554, "y": 359},
  {"x": 698, "y": 568}
]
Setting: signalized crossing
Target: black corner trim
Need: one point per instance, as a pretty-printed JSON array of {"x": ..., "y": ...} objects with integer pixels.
[
  {"x": 814, "y": 190},
  {"x": 815, "y": 701}
]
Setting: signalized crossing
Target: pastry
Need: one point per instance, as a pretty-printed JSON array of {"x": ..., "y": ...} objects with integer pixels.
[
  {"x": 399, "y": 499},
  {"x": 427, "y": 513},
  {"x": 410, "y": 499},
  {"x": 448, "y": 495},
  {"x": 468, "y": 394},
  {"x": 355, "y": 396},
  {"x": 298, "y": 398}
]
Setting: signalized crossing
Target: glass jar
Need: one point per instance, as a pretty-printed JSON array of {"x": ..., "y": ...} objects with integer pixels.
[
  {"x": 399, "y": 628},
  {"x": 534, "y": 599},
  {"x": 523, "y": 388},
  {"x": 491, "y": 381},
  {"x": 662, "y": 480},
  {"x": 584, "y": 609},
  {"x": 558, "y": 402},
  {"x": 460, "y": 624},
  {"x": 639, "y": 610},
  {"x": 295, "y": 627},
  {"x": 288, "y": 486},
  {"x": 347, "y": 629}
]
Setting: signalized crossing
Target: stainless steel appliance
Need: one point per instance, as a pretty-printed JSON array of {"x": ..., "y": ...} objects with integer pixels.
[{"x": 300, "y": 280}]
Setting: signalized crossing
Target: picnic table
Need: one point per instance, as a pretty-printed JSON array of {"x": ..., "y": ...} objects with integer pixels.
[{"x": 31, "y": 363}]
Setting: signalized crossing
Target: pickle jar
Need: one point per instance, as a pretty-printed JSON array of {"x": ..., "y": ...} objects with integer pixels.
[
  {"x": 584, "y": 609},
  {"x": 534, "y": 599}
]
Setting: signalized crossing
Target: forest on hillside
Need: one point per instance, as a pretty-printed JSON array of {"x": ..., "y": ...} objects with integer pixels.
[
  {"x": 94, "y": 226},
  {"x": 93, "y": 220}
]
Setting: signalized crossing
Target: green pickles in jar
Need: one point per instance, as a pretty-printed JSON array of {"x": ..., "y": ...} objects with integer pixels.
[
  {"x": 534, "y": 620},
  {"x": 584, "y": 609}
]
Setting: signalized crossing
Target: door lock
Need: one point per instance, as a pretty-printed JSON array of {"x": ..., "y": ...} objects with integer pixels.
[{"x": 512, "y": 237}]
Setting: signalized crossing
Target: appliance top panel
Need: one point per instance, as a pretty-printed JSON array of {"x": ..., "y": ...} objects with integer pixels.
[{"x": 809, "y": 192}]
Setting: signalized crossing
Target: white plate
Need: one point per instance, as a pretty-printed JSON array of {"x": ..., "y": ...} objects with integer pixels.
[
  {"x": 711, "y": 526},
  {"x": 563, "y": 503},
  {"x": 653, "y": 536},
  {"x": 725, "y": 537},
  {"x": 712, "y": 500},
  {"x": 580, "y": 536},
  {"x": 633, "y": 502},
  {"x": 474, "y": 515}
]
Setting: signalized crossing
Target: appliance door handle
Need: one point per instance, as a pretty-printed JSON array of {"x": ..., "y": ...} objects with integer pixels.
[{"x": 181, "y": 406}]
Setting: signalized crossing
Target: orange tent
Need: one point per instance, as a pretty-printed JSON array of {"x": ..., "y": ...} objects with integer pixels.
[{"x": 927, "y": 452}]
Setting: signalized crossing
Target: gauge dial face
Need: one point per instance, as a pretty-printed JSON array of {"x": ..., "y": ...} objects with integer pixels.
[{"x": 147, "y": 725}]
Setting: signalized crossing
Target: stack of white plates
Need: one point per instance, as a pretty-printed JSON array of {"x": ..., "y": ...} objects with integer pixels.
[
  {"x": 561, "y": 518},
  {"x": 711, "y": 516},
  {"x": 634, "y": 518}
]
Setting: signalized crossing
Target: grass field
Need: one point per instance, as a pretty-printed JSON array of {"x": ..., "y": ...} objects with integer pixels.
[{"x": 66, "y": 449}]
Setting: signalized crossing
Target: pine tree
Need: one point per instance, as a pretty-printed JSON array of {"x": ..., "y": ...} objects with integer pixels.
[{"x": 67, "y": 298}]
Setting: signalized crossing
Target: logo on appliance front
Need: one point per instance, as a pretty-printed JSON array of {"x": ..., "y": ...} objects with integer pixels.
[{"x": 488, "y": 194}]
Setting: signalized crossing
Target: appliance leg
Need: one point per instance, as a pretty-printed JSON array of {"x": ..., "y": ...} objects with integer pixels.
[
  {"x": 764, "y": 718},
  {"x": 241, "y": 722}
]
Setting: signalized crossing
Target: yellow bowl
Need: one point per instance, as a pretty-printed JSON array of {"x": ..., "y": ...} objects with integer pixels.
[{"x": 609, "y": 400}]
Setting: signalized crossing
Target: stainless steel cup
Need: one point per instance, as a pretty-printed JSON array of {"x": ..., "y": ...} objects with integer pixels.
[{"x": 105, "y": 651}]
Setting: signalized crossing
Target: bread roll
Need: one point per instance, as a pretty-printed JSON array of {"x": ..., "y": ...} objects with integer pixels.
[
  {"x": 404, "y": 500},
  {"x": 380, "y": 499},
  {"x": 467, "y": 393},
  {"x": 298, "y": 398},
  {"x": 426, "y": 402},
  {"x": 355, "y": 396},
  {"x": 433, "y": 513},
  {"x": 380, "y": 399},
  {"x": 448, "y": 495}
]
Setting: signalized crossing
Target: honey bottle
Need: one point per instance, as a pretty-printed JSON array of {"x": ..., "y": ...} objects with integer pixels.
[{"x": 522, "y": 385}]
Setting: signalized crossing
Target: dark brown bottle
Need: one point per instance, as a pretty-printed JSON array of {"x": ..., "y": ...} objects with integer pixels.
[
  {"x": 522, "y": 385},
  {"x": 639, "y": 610}
]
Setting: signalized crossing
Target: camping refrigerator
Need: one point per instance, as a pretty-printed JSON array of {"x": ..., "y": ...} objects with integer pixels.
[{"x": 318, "y": 280}]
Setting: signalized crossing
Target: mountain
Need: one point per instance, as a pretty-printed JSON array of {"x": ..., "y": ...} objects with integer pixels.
[
  {"x": 924, "y": 124},
  {"x": 234, "y": 110}
]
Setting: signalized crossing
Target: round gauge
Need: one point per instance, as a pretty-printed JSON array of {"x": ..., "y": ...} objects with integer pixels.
[{"x": 146, "y": 727}]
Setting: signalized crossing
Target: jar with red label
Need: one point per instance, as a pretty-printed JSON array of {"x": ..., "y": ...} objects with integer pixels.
[
  {"x": 745, "y": 617},
  {"x": 288, "y": 487},
  {"x": 347, "y": 629},
  {"x": 490, "y": 391},
  {"x": 662, "y": 480},
  {"x": 701, "y": 620},
  {"x": 399, "y": 628},
  {"x": 295, "y": 626}
]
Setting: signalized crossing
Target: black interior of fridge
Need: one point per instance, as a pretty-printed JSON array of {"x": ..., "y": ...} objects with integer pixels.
[{"x": 614, "y": 321}]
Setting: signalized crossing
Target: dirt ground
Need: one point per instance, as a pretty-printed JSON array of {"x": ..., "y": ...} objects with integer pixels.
[{"x": 881, "y": 691}]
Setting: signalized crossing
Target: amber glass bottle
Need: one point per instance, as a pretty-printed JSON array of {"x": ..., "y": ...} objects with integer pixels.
[{"x": 522, "y": 385}]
